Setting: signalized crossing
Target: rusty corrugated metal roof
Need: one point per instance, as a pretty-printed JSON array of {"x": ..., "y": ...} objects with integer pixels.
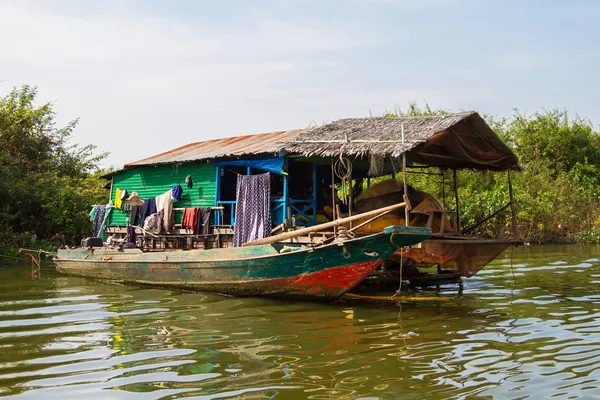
[{"x": 263, "y": 143}]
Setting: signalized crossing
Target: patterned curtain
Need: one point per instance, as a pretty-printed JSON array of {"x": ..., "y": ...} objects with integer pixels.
[{"x": 253, "y": 208}]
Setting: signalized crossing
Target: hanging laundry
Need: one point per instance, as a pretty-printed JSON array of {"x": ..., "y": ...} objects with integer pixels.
[
  {"x": 203, "y": 221},
  {"x": 118, "y": 198},
  {"x": 164, "y": 203},
  {"x": 188, "y": 180},
  {"x": 123, "y": 197},
  {"x": 153, "y": 222},
  {"x": 189, "y": 218},
  {"x": 131, "y": 235},
  {"x": 97, "y": 217},
  {"x": 253, "y": 208},
  {"x": 148, "y": 208},
  {"x": 177, "y": 192},
  {"x": 134, "y": 214},
  {"x": 107, "y": 212}
]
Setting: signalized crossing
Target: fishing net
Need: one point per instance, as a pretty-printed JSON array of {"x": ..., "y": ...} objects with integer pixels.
[{"x": 381, "y": 165}]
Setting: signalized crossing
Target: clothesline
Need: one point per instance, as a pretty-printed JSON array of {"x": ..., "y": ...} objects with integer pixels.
[
  {"x": 212, "y": 208},
  {"x": 176, "y": 209}
]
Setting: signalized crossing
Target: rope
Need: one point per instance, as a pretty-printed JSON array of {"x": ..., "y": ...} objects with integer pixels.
[
  {"x": 343, "y": 170},
  {"x": 400, "y": 284}
]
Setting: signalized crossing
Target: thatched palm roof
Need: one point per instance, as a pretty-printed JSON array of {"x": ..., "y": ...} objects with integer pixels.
[{"x": 460, "y": 140}]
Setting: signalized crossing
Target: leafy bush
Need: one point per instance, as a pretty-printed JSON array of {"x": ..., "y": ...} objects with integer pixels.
[{"x": 46, "y": 183}]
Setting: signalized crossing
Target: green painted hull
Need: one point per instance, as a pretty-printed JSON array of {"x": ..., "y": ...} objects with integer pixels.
[{"x": 324, "y": 272}]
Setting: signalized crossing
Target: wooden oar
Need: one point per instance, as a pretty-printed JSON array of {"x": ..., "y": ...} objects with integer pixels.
[{"x": 320, "y": 227}]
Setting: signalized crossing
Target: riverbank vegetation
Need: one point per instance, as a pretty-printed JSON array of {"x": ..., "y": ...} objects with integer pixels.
[
  {"x": 47, "y": 184},
  {"x": 557, "y": 192}
]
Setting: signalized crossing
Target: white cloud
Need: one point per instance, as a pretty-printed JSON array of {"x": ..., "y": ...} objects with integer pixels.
[{"x": 142, "y": 85}]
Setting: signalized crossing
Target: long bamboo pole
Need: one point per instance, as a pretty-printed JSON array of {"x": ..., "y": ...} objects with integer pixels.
[
  {"x": 316, "y": 228},
  {"x": 369, "y": 221}
]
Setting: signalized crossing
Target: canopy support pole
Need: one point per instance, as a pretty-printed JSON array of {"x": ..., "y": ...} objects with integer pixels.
[
  {"x": 350, "y": 194},
  {"x": 455, "y": 179},
  {"x": 333, "y": 214},
  {"x": 286, "y": 200},
  {"x": 513, "y": 205},
  {"x": 314, "y": 193},
  {"x": 407, "y": 207},
  {"x": 444, "y": 188}
]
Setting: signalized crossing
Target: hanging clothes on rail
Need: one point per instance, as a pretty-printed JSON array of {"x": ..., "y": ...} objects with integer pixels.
[
  {"x": 118, "y": 200},
  {"x": 97, "y": 217},
  {"x": 164, "y": 203},
  {"x": 131, "y": 235},
  {"x": 253, "y": 208},
  {"x": 148, "y": 208},
  {"x": 153, "y": 222},
  {"x": 203, "y": 221},
  {"x": 189, "y": 218},
  {"x": 134, "y": 214}
]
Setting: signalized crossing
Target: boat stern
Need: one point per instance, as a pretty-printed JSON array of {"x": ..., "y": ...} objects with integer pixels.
[{"x": 402, "y": 236}]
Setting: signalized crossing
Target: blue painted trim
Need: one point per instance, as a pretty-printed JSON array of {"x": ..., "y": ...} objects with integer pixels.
[
  {"x": 407, "y": 229},
  {"x": 232, "y": 203},
  {"x": 285, "y": 197}
]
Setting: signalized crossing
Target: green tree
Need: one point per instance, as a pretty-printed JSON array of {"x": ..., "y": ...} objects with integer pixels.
[
  {"x": 46, "y": 182},
  {"x": 558, "y": 191}
]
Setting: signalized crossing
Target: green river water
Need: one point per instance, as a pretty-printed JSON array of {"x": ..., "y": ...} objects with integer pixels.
[{"x": 530, "y": 331}]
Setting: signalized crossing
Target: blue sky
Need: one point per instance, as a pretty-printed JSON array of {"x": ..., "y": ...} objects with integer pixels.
[{"x": 145, "y": 76}]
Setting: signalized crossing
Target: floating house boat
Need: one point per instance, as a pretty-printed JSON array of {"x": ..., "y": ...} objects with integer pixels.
[
  {"x": 433, "y": 145},
  {"x": 301, "y": 197}
]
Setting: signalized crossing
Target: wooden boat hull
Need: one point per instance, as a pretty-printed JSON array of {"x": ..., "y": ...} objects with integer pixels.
[
  {"x": 465, "y": 256},
  {"x": 324, "y": 272}
]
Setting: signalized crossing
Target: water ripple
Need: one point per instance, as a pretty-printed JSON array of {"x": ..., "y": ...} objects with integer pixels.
[{"x": 527, "y": 331}]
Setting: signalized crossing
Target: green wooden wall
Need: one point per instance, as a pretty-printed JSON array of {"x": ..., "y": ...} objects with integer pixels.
[{"x": 153, "y": 181}]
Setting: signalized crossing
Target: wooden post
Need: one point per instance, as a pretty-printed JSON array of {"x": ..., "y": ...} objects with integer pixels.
[
  {"x": 350, "y": 195},
  {"x": 112, "y": 181},
  {"x": 406, "y": 208},
  {"x": 513, "y": 205},
  {"x": 333, "y": 216},
  {"x": 314, "y": 193},
  {"x": 455, "y": 179},
  {"x": 444, "y": 187}
]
